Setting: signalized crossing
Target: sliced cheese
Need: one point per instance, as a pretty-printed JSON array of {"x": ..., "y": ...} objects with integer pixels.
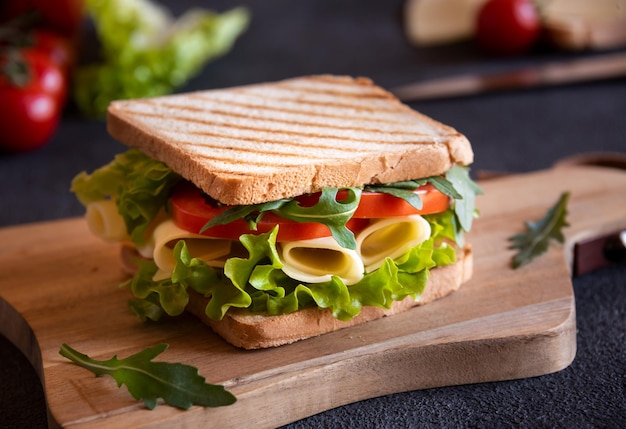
[
  {"x": 167, "y": 234},
  {"x": 317, "y": 260},
  {"x": 437, "y": 22},
  {"x": 105, "y": 222},
  {"x": 390, "y": 237}
]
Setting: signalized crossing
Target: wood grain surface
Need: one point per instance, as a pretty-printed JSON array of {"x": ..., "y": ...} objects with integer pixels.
[{"x": 504, "y": 324}]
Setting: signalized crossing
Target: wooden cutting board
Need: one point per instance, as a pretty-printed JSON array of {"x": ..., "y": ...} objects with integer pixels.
[{"x": 503, "y": 324}]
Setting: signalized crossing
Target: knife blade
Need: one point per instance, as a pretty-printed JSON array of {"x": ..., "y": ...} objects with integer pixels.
[{"x": 596, "y": 67}]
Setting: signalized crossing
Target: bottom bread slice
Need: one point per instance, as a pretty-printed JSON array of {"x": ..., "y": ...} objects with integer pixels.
[{"x": 255, "y": 331}]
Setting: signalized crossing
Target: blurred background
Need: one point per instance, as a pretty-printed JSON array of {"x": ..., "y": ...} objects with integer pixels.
[
  {"x": 136, "y": 48},
  {"x": 393, "y": 42}
]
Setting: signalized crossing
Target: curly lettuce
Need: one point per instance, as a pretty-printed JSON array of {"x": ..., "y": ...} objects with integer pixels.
[
  {"x": 138, "y": 184},
  {"x": 258, "y": 283},
  {"x": 146, "y": 52}
]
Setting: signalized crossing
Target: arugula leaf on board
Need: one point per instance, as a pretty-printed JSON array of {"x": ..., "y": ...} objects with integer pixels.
[
  {"x": 179, "y": 385},
  {"x": 535, "y": 241}
]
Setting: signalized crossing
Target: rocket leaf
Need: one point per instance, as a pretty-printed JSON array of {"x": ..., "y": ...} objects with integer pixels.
[
  {"x": 328, "y": 211},
  {"x": 536, "y": 239},
  {"x": 179, "y": 385}
]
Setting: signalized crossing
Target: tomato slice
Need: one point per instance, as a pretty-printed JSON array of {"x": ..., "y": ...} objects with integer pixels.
[
  {"x": 191, "y": 210},
  {"x": 378, "y": 204},
  {"x": 375, "y": 205}
]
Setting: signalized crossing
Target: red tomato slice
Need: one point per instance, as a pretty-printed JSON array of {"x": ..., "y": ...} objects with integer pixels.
[
  {"x": 379, "y": 204},
  {"x": 191, "y": 210},
  {"x": 375, "y": 205}
]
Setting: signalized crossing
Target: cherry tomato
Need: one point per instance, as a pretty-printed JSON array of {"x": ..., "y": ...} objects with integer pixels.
[
  {"x": 30, "y": 108},
  {"x": 28, "y": 117},
  {"x": 56, "y": 47},
  {"x": 62, "y": 16},
  {"x": 507, "y": 27},
  {"x": 191, "y": 210},
  {"x": 48, "y": 74}
]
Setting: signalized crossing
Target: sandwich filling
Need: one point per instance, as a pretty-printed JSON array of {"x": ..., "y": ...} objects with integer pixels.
[{"x": 339, "y": 249}]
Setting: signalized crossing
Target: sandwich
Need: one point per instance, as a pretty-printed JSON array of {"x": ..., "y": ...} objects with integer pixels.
[{"x": 281, "y": 211}]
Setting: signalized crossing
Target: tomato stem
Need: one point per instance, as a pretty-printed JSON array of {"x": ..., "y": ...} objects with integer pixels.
[{"x": 16, "y": 69}]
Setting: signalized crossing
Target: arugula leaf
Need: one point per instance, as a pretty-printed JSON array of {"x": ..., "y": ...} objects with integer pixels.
[
  {"x": 445, "y": 186},
  {"x": 536, "y": 239},
  {"x": 178, "y": 384},
  {"x": 402, "y": 190},
  {"x": 328, "y": 211},
  {"x": 252, "y": 213},
  {"x": 334, "y": 214},
  {"x": 464, "y": 208},
  {"x": 456, "y": 184},
  {"x": 405, "y": 189}
]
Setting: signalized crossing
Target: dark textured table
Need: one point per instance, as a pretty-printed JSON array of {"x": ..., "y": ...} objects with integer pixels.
[{"x": 510, "y": 132}]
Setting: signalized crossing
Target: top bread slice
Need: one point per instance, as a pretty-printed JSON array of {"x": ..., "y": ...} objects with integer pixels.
[{"x": 262, "y": 142}]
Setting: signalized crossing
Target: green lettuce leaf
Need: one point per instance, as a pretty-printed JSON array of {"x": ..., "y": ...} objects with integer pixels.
[
  {"x": 147, "y": 308},
  {"x": 171, "y": 294},
  {"x": 258, "y": 283},
  {"x": 172, "y": 297},
  {"x": 146, "y": 52},
  {"x": 139, "y": 185}
]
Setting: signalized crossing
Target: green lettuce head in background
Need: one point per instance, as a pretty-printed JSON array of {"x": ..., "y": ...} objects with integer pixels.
[{"x": 146, "y": 52}]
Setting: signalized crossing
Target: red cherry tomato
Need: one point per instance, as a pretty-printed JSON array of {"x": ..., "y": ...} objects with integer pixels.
[
  {"x": 191, "y": 210},
  {"x": 47, "y": 74},
  {"x": 56, "y": 47},
  {"x": 507, "y": 27},
  {"x": 28, "y": 118},
  {"x": 30, "y": 108},
  {"x": 62, "y": 16}
]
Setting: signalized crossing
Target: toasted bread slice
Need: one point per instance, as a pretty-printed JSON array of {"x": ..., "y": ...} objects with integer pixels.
[
  {"x": 254, "y": 331},
  {"x": 263, "y": 142}
]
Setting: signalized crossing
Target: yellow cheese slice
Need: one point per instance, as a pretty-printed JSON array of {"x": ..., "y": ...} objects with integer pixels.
[
  {"x": 390, "y": 237},
  {"x": 166, "y": 235},
  {"x": 317, "y": 260},
  {"x": 105, "y": 222}
]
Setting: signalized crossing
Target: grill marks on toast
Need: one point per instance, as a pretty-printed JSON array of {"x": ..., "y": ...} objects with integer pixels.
[
  {"x": 263, "y": 142},
  {"x": 230, "y": 132},
  {"x": 252, "y": 101}
]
